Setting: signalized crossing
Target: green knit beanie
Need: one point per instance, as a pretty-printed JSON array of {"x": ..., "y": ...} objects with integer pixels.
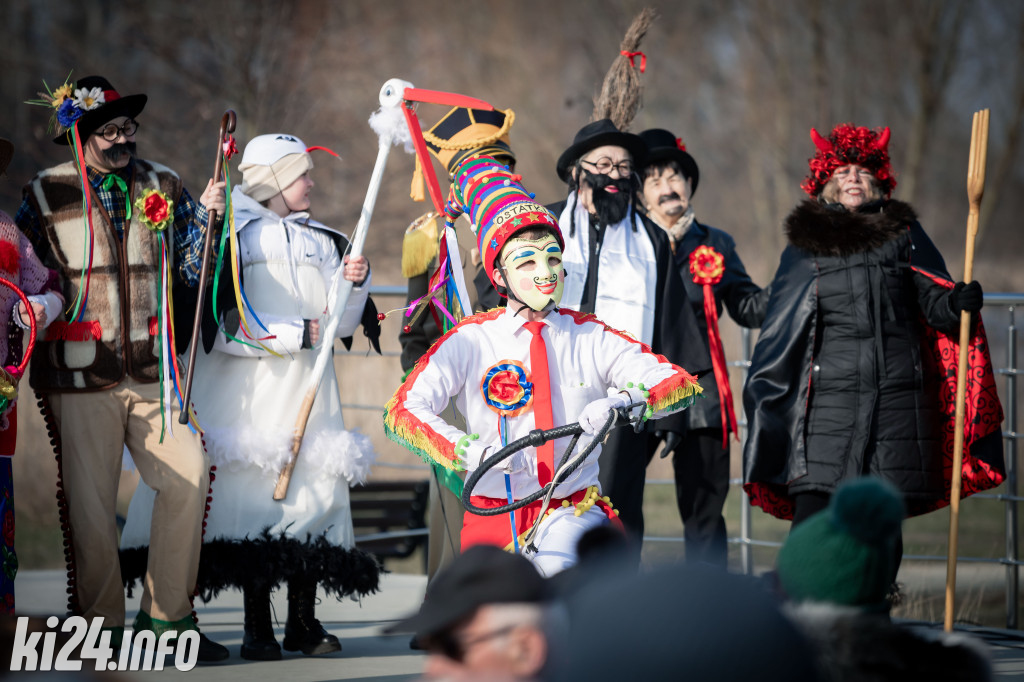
[{"x": 846, "y": 554}]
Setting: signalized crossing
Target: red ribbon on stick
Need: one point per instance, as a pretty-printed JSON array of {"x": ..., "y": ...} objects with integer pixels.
[
  {"x": 707, "y": 267},
  {"x": 633, "y": 55}
]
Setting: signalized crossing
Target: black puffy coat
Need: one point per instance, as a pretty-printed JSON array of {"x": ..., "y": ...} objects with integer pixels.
[{"x": 836, "y": 388}]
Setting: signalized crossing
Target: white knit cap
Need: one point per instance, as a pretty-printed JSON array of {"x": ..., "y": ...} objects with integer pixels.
[{"x": 271, "y": 163}]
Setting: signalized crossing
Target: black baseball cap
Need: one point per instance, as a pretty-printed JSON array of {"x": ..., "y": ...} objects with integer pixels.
[{"x": 481, "y": 575}]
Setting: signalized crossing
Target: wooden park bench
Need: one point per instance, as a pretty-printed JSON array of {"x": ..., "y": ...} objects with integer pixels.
[{"x": 390, "y": 518}]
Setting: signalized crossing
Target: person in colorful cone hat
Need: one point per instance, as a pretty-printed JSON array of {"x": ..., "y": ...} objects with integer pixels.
[
  {"x": 714, "y": 277},
  {"x": 529, "y": 365},
  {"x": 851, "y": 374},
  {"x": 244, "y": 393},
  {"x": 619, "y": 267},
  {"x": 106, "y": 367},
  {"x": 460, "y": 133},
  {"x": 20, "y": 266}
]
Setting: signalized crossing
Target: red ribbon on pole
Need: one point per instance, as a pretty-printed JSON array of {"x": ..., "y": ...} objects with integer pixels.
[
  {"x": 633, "y": 55},
  {"x": 707, "y": 267}
]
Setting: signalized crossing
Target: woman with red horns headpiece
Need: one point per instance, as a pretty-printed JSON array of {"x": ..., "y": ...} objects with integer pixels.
[{"x": 850, "y": 374}]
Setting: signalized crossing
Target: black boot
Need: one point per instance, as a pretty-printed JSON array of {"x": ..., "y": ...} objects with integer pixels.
[
  {"x": 303, "y": 631},
  {"x": 258, "y": 643}
]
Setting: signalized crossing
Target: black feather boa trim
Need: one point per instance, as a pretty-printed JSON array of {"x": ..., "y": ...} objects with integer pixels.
[
  {"x": 827, "y": 230},
  {"x": 270, "y": 560}
]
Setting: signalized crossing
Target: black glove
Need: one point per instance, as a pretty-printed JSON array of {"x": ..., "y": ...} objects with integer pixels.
[
  {"x": 966, "y": 297},
  {"x": 671, "y": 441}
]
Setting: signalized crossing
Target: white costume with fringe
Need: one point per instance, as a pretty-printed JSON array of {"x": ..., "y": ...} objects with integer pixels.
[{"x": 247, "y": 400}]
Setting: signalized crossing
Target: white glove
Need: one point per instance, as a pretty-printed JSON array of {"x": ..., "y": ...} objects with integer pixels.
[
  {"x": 596, "y": 413},
  {"x": 469, "y": 452},
  {"x": 516, "y": 463}
]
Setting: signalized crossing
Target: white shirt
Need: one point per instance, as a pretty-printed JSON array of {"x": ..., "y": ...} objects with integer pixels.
[{"x": 585, "y": 360}]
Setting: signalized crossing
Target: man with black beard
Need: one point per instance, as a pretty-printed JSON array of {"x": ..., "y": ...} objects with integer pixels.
[
  {"x": 701, "y": 458},
  {"x": 618, "y": 266},
  {"x": 101, "y": 368}
]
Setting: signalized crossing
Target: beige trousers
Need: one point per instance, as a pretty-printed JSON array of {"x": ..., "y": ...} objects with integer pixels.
[{"x": 93, "y": 427}]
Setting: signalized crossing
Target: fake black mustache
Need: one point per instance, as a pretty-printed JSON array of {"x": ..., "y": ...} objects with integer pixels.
[
  {"x": 115, "y": 151},
  {"x": 669, "y": 197}
]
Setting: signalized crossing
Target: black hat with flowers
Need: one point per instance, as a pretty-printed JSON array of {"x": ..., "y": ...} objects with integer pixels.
[
  {"x": 91, "y": 102},
  {"x": 664, "y": 146}
]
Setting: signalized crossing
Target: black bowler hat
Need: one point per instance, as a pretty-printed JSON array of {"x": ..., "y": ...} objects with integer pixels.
[
  {"x": 598, "y": 134},
  {"x": 664, "y": 146},
  {"x": 481, "y": 575},
  {"x": 114, "y": 105}
]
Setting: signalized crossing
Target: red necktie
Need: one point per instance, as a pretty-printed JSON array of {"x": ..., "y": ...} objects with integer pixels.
[{"x": 542, "y": 418}]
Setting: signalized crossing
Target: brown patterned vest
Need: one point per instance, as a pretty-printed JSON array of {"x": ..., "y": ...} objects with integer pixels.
[{"x": 121, "y": 309}]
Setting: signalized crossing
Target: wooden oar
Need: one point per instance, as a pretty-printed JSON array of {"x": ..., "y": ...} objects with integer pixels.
[
  {"x": 975, "y": 190},
  {"x": 227, "y": 126}
]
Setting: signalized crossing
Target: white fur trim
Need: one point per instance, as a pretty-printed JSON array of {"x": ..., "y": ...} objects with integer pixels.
[{"x": 334, "y": 453}]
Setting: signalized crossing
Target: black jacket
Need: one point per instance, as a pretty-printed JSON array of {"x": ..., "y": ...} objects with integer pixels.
[
  {"x": 677, "y": 334},
  {"x": 836, "y": 387},
  {"x": 745, "y": 301}
]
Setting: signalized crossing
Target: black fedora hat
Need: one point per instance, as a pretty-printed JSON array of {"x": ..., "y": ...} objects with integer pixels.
[
  {"x": 598, "y": 134},
  {"x": 6, "y": 152},
  {"x": 664, "y": 146},
  {"x": 479, "y": 576},
  {"x": 114, "y": 105}
]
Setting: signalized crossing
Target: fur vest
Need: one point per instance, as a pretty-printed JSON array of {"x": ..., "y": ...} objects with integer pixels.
[{"x": 118, "y": 334}]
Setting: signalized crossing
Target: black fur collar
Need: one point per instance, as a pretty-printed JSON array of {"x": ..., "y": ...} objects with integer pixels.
[{"x": 829, "y": 231}]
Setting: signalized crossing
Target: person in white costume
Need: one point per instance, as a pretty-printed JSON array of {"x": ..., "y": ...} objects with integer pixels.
[
  {"x": 529, "y": 366},
  {"x": 246, "y": 397}
]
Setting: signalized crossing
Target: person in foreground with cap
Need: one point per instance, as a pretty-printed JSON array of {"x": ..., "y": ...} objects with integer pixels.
[
  {"x": 618, "y": 266},
  {"x": 529, "y": 366},
  {"x": 101, "y": 368},
  {"x": 836, "y": 571},
  {"x": 246, "y": 394},
  {"x": 713, "y": 276},
  {"x": 485, "y": 616},
  {"x": 855, "y": 368},
  {"x": 20, "y": 266}
]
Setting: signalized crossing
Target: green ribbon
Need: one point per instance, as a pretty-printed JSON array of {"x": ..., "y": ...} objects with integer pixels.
[{"x": 115, "y": 179}]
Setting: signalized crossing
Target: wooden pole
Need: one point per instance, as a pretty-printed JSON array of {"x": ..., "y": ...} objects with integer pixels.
[
  {"x": 975, "y": 190},
  {"x": 390, "y": 95},
  {"x": 227, "y": 126}
]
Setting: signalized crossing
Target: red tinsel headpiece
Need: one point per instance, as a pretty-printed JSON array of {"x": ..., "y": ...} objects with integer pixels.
[{"x": 849, "y": 145}]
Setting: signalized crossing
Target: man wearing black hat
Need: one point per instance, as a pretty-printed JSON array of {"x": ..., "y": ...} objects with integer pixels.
[
  {"x": 485, "y": 616},
  {"x": 701, "y": 457},
  {"x": 618, "y": 265},
  {"x": 101, "y": 369}
]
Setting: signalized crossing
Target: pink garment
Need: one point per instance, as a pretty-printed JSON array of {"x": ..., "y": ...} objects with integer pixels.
[{"x": 20, "y": 265}]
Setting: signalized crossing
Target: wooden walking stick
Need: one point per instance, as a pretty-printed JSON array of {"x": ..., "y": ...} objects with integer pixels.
[
  {"x": 227, "y": 126},
  {"x": 975, "y": 189}
]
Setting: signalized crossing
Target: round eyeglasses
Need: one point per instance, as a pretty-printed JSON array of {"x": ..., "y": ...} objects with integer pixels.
[
  {"x": 604, "y": 166},
  {"x": 112, "y": 130}
]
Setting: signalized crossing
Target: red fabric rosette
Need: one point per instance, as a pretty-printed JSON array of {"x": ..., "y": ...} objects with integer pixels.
[{"x": 707, "y": 267}]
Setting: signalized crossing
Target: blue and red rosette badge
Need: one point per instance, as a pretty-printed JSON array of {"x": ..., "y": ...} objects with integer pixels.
[
  {"x": 156, "y": 210},
  {"x": 507, "y": 389}
]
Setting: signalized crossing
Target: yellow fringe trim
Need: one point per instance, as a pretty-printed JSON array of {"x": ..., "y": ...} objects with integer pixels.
[
  {"x": 420, "y": 245},
  {"x": 678, "y": 398},
  {"x": 434, "y": 449}
]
